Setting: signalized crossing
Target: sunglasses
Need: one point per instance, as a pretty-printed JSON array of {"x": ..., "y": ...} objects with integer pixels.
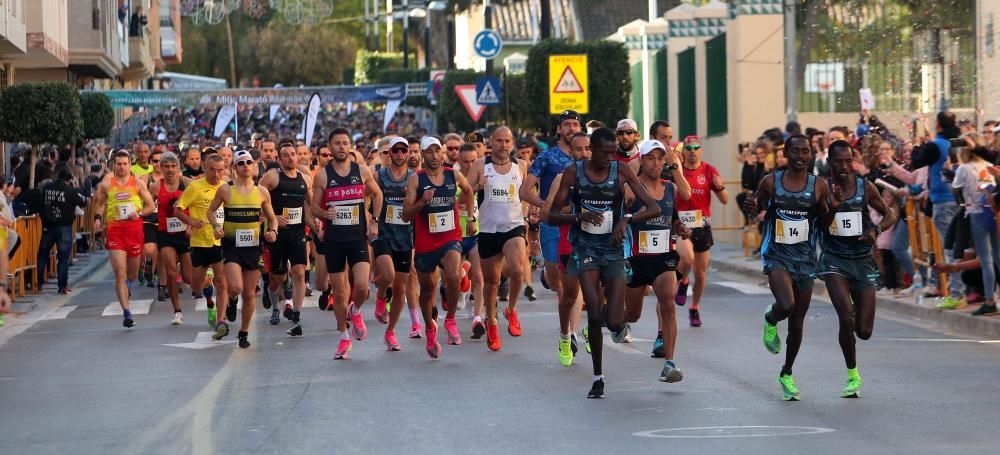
[
  {"x": 399, "y": 151},
  {"x": 155, "y": 161},
  {"x": 453, "y": 148},
  {"x": 326, "y": 155},
  {"x": 692, "y": 147},
  {"x": 244, "y": 163},
  {"x": 624, "y": 132}
]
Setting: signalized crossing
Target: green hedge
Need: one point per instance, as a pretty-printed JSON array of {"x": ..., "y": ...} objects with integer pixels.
[
  {"x": 607, "y": 73},
  {"x": 98, "y": 115},
  {"x": 367, "y": 65},
  {"x": 41, "y": 113}
]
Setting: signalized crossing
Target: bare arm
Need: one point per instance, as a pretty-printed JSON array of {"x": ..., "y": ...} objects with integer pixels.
[
  {"x": 547, "y": 206},
  {"x": 525, "y": 192},
  {"x": 374, "y": 191},
  {"x": 265, "y": 206},
  {"x": 555, "y": 217},
  {"x": 468, "y": 196},
  {"x": 100, "y": 201},
  {"x": 148, "y": 206},
  {"x": 221, "y": 197},
  {"x": 316, "y": 205},
  {"x": 413, "y": 201},
  {"x": 889, "y": 217}
]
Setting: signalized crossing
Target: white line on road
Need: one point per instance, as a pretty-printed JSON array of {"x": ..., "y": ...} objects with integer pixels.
[
  {"x": 738, "y": 431},
  {"x": 60, "y": 313},
  {"x": 745, "y": 288},
  {"x": 135, "y": 306}
]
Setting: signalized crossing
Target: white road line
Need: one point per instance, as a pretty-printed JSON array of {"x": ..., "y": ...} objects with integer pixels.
[
  {"x": 745, "y": 288},
  {"x": 60, "y": 313},
  {"x": 135, "y": 306}
]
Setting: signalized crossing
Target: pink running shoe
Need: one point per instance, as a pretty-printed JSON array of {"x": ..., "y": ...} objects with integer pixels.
[
  {"x": 357, "y": 324},
  {"x": 416, "y": 330},
  {"x": 390, "y": 341},
  {"x": 454, "y": 338},
  {"x": 433, "y": 347},
  {"x": 381, "y": 315},
  {"x": 343, "y": 350}
]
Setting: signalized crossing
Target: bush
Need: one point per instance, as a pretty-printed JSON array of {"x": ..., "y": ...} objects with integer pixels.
[
  {"x": 367, "y": 65},
  {"x": 41, "y": 113},
  {"x": 607, "y": 73},
  {"x": 517, "y": 109},
  {"x": 98, "y": 116}
]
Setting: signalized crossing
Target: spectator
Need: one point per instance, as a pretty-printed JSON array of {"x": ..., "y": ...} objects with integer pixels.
[
  {"x": 60, "y": 201},
  {"x": 751, "y": 175},
  {"x": 975, "y": 183},
  {"x": 138, "y": 22}
]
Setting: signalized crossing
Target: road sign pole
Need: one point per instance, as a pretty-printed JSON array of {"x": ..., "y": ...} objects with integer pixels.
[{"x": 488, "y": 23}]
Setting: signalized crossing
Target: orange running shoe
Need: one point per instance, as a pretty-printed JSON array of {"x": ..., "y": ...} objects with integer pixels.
[
  {"x": 493, "y": 337},
  {"x": 513, "y": 324}
]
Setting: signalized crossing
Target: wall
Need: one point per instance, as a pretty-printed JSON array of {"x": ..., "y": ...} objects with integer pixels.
[{"x": 988, "y": 59}]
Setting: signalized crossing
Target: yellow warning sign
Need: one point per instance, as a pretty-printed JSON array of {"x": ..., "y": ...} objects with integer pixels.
[{"x": 568, "y": 83}]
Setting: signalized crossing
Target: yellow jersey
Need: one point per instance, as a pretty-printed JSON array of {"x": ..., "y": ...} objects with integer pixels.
[
  {"x": 140, "y": 171},
  {"x": 242, "y": 221},
  {"x": 196, "y": 198},
  {"x": 123, "y": 200}
]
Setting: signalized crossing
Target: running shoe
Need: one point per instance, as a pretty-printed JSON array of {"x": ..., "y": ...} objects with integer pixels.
[
  {"x": 852, "y": 389},
  {"x": 450, "y": 326},
  {"x": 695, "y": 317},
  {"x": 65, "y": 291},
  {"x": 357, "y": 324},
  {"x": 343, "y": 350},
  {"x": 670, "y": 372},
  {"x": 2, "y": 321},
  {"x": 574, "y": 344},
  {"x": 682, "y": 292},
  {"x": 952, "y": 303},
  {"x": 513, "y": 324},
  {"x": 974, "y": 297},
  {"x": 221, "y": 330},
  {"x": 213, "y": 315},
  {"x": 161, "y": 293},
  {"x": 231, "y": 310},
  {"x": 622, "y": 334},
  {"x": 244, "y": 343},
  {"x": 324, "y": 300},
  {"x": 275, "y": 317},
  {"x": 178, "y": 318},
  {"x": 658, "y": 347},
  {"x": 985, "y": 309},
  {"x": 415, "y": 330},
  {"x": 287, "y": 313},
  {"x": 128, "y": 323},
  {"x": 390, "y": 341},
  {"x": 596, "y": 390},
  {"x": 788, "y": 389},
  {"x": 493, "y": 337},
  {"x": 309, "y": 291},
  {"x": 433, "y": 347},
  {"x": 466, "y": 283},
  {"x": 381, "y": 315},
  {"x": 586, "y": 338},
  {"x": 529, "y": 292},
  {"x": 772, "y": 342},
  {"x": 565, "y": 352},
  {"x": 478, "y": 329},
  {"x": 295, "y": 331},
  {"x": 503, "y": 290}
]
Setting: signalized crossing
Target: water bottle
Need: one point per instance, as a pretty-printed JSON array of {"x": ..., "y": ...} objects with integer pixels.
[{"x": 918, "y": 281}]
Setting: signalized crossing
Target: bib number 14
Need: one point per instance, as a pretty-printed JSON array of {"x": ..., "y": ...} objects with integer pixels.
[{"x": 790, "y": 232}]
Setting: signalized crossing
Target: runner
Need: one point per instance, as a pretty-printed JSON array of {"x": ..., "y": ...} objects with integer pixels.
[
  {"x": 206, "y": 250},
  {"x": 696, "y": 214},
  {"x": 142, "y": 164},
  {"x": 150, "y": 256},
  {"x": 319, "y": 261},
  {"x": 453, "y": 144},
  {"x": 172, "y": 235},
  {"x": 289, "y": 190},
  {"x": 788, "y": 249},
  {"x": 347, "y": 232},
  {"x": 192, "y": 162},
  {"x": 430, "y": 201},
  {"x": 847, "y": 265},
  {"x": 597, "y": 232},
  {"x": 244, "y": 204},
  {"x": 653, "y": 258},
  {"x": 471, "y": 261},
  {"x": 393, "y": 250},
  {"x": 628, "y": 141},
  {"x": 124, "y": 200}
]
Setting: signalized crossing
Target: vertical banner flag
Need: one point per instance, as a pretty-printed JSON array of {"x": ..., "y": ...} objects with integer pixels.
[
  {"x": 274, "y": 107},
  {"x": 390, "y": 111},
  {"x": 311, "y": 113},
  {"x": 350, "y": 107},
  {"x": 223, "y": 117}
]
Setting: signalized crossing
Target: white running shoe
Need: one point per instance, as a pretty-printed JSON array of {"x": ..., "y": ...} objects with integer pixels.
[{"x": 178, "y": 318}]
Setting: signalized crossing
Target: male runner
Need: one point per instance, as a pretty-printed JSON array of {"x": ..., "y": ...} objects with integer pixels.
[
  {"x": 794, "y": 200},
  {"x": 172, "y": 236},
  {"x": 124, "y": 200},
  {"x": 341, "y": 189},
  {"x": 150, "y": 257},
  {"x": 289, "y": 190},
  {"x": 847, "y": 265},
  {"x": 244, "y": 204},
  {"x": 653, "y": 258},
  {"x": 206, "y": 250},
  {"x": 696, "y": 214},
  {"x": 597, "y": 232},
  {"x": 192, "y": 162},
  {"x": 142, "y": 158},
  {"x": 393, "y": 250},
  {"x": 502, "y": 244},
  {"x": 430, "y": 203},
  {"x": 470, "y": 244},
  {"x": 628, "y": 141},
  {"x": 453, "y": 143},
  {"x": 323, "y": 157}
]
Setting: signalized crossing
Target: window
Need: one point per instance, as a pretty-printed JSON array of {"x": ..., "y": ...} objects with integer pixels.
[
  {"x": 95, "y": 14},
  {"x": 988, "y": 36}
]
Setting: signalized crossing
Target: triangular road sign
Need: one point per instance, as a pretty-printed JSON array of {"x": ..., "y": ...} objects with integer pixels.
[
  {"x": 467, "y": 93},
  {"x": 568, "y": 83}
]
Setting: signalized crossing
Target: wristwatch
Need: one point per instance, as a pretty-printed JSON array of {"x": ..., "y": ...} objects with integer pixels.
[
  {"x": 628, "y": 218},
  {"x": 672, "y": 167}
]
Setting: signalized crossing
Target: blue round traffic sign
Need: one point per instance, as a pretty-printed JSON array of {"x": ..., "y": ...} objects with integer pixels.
[{"x": 488, "y": 44}]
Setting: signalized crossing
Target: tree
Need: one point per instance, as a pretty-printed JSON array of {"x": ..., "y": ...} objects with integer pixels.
[
  {"x": 40, "y": 113},
  {"x": 98, "y": 115},
  {"x": 307, "y": 55}
]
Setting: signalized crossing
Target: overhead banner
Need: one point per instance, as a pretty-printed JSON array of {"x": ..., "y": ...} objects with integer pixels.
[
  {"x": 309, "y": 127},
  {"x": 223, "y": 118},
  {"x": 253, "y": 96}
]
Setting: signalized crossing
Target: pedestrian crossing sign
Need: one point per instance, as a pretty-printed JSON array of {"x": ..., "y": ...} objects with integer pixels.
[
  {"x": 488, "y": 91},
  {"x": 568, "y": 88}
]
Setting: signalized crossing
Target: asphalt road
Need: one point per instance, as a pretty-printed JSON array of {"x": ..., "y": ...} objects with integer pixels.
[{"x": 82, "y": 383}]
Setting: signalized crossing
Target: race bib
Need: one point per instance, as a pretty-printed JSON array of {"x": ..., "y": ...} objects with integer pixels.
[
  {"x": 247, "y": 237},
  {"x": 175, "y": 225},
  {"x": 791, "y": 232},
  {"x": 293, "y": 215},
  {"x": 125, "y": 210},
  {"x": 691, "y": 218},
  {"x": 846, "y": 224},
  {"x": 347, "y": 215},
  {"x": 156, "y": 206},
  {"x": 220, "y": 215},
  {"x": 603, "y": 228},
  {"x": 394, "y": 215},
  {"x": 441, "y": 222},
  {"x": 654, "y": 242},
  {"x": 501, "y": 193}
]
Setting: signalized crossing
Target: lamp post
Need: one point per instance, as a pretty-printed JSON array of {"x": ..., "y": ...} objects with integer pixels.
[{"x": 424, "y": 13}]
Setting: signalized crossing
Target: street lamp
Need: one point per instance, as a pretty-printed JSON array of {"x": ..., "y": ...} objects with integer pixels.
[{"x": 424, "y": 13}]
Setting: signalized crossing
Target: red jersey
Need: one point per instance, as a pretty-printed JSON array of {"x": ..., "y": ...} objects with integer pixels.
[
  {"x": 437, "y": 223},
  {"x": 166, "y": 220},
  {"x": 697, "y": 211}
]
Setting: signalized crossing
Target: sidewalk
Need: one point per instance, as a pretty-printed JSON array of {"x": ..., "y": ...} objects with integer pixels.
[
  {"x": 83, "y": 266},
  {"x": 729, "y": 258}
]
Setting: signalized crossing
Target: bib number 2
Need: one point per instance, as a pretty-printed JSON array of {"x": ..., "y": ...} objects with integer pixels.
[{"x": 441, "y": 222}]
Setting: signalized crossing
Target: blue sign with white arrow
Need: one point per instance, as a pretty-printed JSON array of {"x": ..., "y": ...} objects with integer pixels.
[
  {"x": 488, "y": 44},
  {"x": 488, "y": 91}
]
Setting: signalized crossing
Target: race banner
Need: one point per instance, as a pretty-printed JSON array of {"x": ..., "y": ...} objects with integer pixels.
[
  {"x": 223, "y": 118},
  {"x": 309, "y": 127},
  {"x": 253, "y": 96}
]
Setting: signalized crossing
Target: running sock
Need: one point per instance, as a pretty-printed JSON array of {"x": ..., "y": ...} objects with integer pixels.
[
  {"x": 598, "y": 377},
  {"x": 414, "y": 315},
  {"x": 564, "y": 336},
  {"x": 234, "y": 300},
  {"x": 208, "y": 292},
  {"x": 852, "y": 373},
  {"x": 770, "y": 318},
  {"x": 177, "y": 311},
  {"x": 355, "y": 309},
  {"x": 128, "y": 284},
  {"x": 127, "y": 314},
  {"x": 659, "y": 334},
  {"x": 242, "y": 334},
  {"x": 477, "y": 319},
  {"x": 275, "y": 297},
  {"x": 296, "y": 314},
  {"x": 670, "y": 362},
  {"x": 307, "y": 278},
  {"x": 344, "y": 336}
]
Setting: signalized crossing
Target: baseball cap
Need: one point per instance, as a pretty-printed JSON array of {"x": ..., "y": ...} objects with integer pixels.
[
  {"x": 627, "y": 124},
  {"x": 692, "y": 140},
  {"x": 399, "y": 140},
  {"x": 525, "y": 142},
  {"x": 474, "y": 137},
  {"x": 428, "y": 141},
  {"x": 648, "y": 146},
  {"x": 568, "y": 114},
  {"x": 242, "y": 155}
]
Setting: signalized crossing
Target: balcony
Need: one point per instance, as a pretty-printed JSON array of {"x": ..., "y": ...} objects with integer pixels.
[
  {"x": 13, "y": 31},
  {"x": 140, "y": 61}
]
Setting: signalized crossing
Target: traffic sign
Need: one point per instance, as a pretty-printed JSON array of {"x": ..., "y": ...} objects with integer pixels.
[
  {"x": 435, "y": 85},
  {"x": 467, "y": 93},
  {"x": 568, "y": 88},
  {"x": 488, "y": 91},
  {"x": 488, "y": 44}
]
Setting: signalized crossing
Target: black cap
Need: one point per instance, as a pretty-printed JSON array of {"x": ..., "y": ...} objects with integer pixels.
[
  {"x": 526, "y": 141},
  {"x": 567, "y": 115},
  {"x": 475, "y": 137}
]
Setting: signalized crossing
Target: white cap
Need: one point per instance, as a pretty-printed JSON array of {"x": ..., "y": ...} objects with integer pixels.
[
  {"x": 401, "y": 140},
  {"x": 229, "y": 141},
  {"x": 242, "y": 155},
  {"x": 996, "y": 129},
  {"x": 357, "y": 137},
  {"x": 161, "y": 137},
  {"x": 627, "y": 124},
  {"x": 650, "y": 145},
  {"x": 428, "y": 141}
]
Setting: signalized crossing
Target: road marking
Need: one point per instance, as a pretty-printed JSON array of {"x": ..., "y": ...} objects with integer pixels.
[
  {"x": 942, "y": 340},
  {"x": 60, "y": 313},
  {"x": 739, "y": 431},
  {"x": 202, "y": 341},
  {"x": 745, "y": 288},
  {"x": 135, "y": 306}
]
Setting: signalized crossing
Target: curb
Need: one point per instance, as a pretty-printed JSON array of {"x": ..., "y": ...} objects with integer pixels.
[
  {"x": 79, "y": 272},
  {"x": 731, "y": 260}
]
